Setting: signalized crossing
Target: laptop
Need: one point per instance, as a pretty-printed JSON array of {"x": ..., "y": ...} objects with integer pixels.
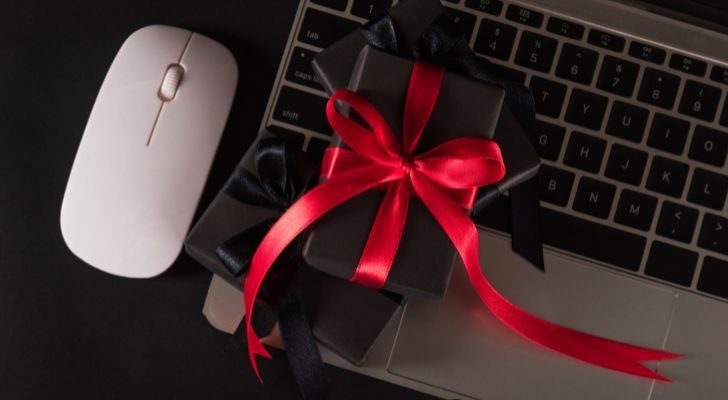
[{"x": 633, "y": 134}]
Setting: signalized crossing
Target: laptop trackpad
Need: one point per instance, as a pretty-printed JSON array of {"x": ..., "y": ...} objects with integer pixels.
[{"x": 457, "y": 345}]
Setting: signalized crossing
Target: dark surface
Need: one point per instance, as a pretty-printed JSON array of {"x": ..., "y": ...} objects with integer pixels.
[{"x": 66, "y": 329}]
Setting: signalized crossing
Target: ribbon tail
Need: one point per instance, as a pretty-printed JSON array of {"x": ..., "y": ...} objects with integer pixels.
[
  {"x": 293, "y": 222},
  {"x": 585, "y": 347},
  {"x": 384, "y": 237}
]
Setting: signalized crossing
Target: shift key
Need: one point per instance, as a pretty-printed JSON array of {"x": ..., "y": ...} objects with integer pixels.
[
  {"x": 302, "y": 109},
  {"x": 323, "y": 29}
]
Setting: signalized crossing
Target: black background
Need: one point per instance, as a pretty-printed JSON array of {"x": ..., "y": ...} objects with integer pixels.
[{"x": 68, "y": 331}]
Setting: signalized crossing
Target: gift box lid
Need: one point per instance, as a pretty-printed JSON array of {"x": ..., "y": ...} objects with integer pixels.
[{"x": 425, "y": 257}]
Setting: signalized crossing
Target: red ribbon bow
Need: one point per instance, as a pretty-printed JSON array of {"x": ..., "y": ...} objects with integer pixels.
[{"x": 446, "y": 179}]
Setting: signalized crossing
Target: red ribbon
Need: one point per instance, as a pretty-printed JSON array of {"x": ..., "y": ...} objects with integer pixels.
[{"x": 445, "y": 178}]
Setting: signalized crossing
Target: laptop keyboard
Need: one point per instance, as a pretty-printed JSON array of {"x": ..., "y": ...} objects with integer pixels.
[{"x": 633, "y": 137}]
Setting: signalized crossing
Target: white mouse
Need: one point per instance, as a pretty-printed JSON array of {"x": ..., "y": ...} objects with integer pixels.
[{"x": 147, "y": 150}]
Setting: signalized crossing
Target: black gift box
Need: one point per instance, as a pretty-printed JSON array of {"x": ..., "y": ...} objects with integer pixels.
[
  {"x": 328, "y": 301},
  {"x": 424, "y": 260},
  {"x": 334, "y": 67}
]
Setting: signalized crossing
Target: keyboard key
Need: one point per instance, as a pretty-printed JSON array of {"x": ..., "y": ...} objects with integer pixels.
[
  {"x": 668, "y": 133},
  {"x": 667, "y": 176},
  {"x": 677, "y": 222},
  {"x": 548, "y": 95},
  {"x": 646, "y": 52},
  {"x": 719, "y": 74},
  {"x": 627, "y": 121},
  {"x": 585, "y": 152},
  {"x": 524, "y": 16},
  {"x": 636, "y": 210},
  {"x": 558, "y": 230},
  {"x": 714, "y": 277},
  {"x": 536, "y": 51},
  {"x": 688, "y": 64},
  {"x": 724, "y": 114},
  {"x": 565, "y": 28},
  {"x": 371, "y": 8},
  {"x": 586, "y": 109},
  {"x": 335, "y": 4},
  {"x": 322, "y": 29},
  {"x": 548, "y": 140},
  {"x": 302, "y": 109},
  {"x": 699, "y": 100},
  {"x": 658, "y": 88},
  {"x": 465, "y": 21},
  {"x": 577, "y": 63},
  {"x": 489, "y": 6},
  {"x": 555, "y": 185},
  {"x": 714, "y": 234},
  {"x": 300, "y": 70},
  {"x": 594, "y": 197},
  {"x": 606, "y": 40},
  {"x": 291, "y": 136},
  {"x": 626, "y": 164},
  {"x": 709, "y": 146},
  {"x": 671, "y": 263},
  {"x": 495, "y": 39},
  {"x": 617, "y": 76},
  {"x": 708, "y": 189},
  {"x": 316, "y": 148}
]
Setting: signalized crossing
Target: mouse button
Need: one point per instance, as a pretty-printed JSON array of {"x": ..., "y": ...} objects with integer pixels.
[
  {"x": 189, "y": 127},
  {"x": 145, "y": 55},
  {"x": 171, "y": 81}
]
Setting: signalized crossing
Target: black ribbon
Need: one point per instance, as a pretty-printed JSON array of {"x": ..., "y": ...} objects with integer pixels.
[
  {"x": 443, "y": 43},
  {"x": 284, "y": 174}
]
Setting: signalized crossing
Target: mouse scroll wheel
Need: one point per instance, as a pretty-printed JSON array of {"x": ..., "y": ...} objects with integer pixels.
[{"x": 171, "y": 81}]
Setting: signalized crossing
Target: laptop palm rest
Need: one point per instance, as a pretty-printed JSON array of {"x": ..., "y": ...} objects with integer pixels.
[{"x": 457, "y": 345}]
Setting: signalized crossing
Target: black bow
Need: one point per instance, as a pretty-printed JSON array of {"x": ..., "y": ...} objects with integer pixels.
[
  {"x": 442, "y": 42},
  {"x": 284, "y": 173}
]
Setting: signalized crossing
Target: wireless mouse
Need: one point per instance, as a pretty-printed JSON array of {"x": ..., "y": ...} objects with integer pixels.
[{"x": 147, "y": 149}]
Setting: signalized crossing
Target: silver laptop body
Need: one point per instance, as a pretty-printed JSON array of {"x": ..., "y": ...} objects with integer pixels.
[{"x": 653, "y": 270}]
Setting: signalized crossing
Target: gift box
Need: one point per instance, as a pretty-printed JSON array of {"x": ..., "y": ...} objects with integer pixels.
[
  {"x": 334, "y": 67},
  {"x": 328, "y": 301},
  {"x": 425, "y": 257}
]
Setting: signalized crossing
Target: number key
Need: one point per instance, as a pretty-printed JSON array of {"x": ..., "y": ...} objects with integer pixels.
[
  {"x": 536, "y": 51},
  {"x": 495, "y": 39},
  {"x": 577, "y": 63},
  {"x": 370, "y": 8},
  {"x": 699, "y": 100},
  {"x": 617, "y": 76},
  {"x": 658, "y": 88},
  {"x": 464, "y": 21}
]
